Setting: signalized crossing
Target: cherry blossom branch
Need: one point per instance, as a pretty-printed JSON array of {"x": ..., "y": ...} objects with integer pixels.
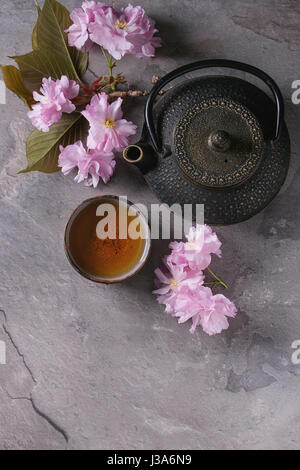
[
  {"x": 136, "y": 93},
  {"x": 132, "y": 93},
  {"x": 108, "y": 85}
]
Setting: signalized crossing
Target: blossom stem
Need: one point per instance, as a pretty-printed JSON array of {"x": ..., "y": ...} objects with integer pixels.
[
  {"x": 105, "y": 55},
  {"x": 217, "y": 278},
  {"x": 111, "y": 65},
  {"x": 212, "y": 284}
]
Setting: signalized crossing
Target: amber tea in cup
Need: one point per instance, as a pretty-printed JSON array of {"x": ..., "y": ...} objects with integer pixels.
[{"x": 102, "y": 254}]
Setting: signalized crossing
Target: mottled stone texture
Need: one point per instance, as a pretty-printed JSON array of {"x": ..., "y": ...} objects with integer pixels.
[{"x": 102, "y": 367}]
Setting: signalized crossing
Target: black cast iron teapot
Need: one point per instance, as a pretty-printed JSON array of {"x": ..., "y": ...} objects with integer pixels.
[{"x": 214, "y": 140}]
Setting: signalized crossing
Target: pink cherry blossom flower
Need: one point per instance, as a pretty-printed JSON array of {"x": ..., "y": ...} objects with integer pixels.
[
  {"x": 205, "y": 309},
  {"x": 215, "y": 321},
  {"x": 148, "y": 49},
  {"x": 78, "y": 32},
  {"x": 55, "y": 99},
  {"x": 201, "y": 243},
  {"x": 196, "y": 252},
  {"x": 108, "y": 131},
  {"x": 177, "y": 255},
  {"x": 175, "y": 278},
  {"x": 172, "y": 281},
  {"x": 100, "y": 165},
  {"x": 129, "y": 31},
  {"x": 91, "y": 165},
  {"x": 71, "y": 157}
]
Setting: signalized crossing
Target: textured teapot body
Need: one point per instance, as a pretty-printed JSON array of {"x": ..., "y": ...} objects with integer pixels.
[{"x": 218, "y": 141}]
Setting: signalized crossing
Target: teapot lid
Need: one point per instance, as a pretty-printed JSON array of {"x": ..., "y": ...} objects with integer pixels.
[{"x": 218, "y": 143}]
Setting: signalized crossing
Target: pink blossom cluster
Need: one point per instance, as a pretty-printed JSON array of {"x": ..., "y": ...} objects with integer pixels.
[
  {"x": 181, "y": 283},
  {"x": 128, "y": 31},
  {"x": 108, "y": 131}
]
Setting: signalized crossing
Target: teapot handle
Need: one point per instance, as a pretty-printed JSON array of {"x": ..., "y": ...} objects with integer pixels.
[{"x": 209, "y": 64}]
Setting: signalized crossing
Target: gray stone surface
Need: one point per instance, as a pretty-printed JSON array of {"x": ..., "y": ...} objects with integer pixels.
[{"x": 102, "y": 367}]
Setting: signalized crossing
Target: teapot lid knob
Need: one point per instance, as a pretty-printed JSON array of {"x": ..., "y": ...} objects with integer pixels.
[{"x": 219, "y": 141}]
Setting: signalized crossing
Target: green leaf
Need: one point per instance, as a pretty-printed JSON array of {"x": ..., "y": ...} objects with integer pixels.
[
  {"x": 34, "y": 32},
  {"x": 79, "y": 59},
  {"x": 14, "y": 82},
  {"x": 51, "y": 56},
  {"x": 34, "y": 38},
  {"x": 36, "y": 65},
  {"x": 42, "y": 148}
]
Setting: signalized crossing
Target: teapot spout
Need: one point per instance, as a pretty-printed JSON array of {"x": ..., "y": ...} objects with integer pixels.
[{"x": 141, "y": 155}]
